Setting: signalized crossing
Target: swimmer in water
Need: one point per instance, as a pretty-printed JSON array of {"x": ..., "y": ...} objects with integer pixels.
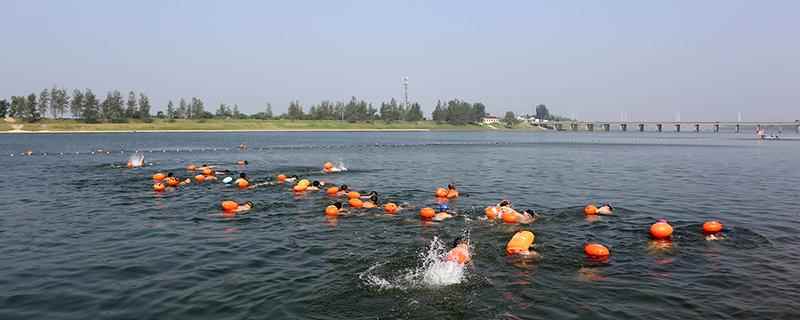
[
  {"x": 460, "y": 252},
  {"x": 605, "y": 209},
  {"x": 452, "y": 192},
  {"x": 172, "y": 181},
  {"x": 343, "y": 190},
  {"x": 292, "y": 178},
  {"x": 242, "y": 162},
  {"x": 242, "y": 177},
  {"x": 315, "y": 185},
  {"x": 504, "y": 207},
  {"x": 372, "y": 200},
  {"x": 244, "y": 207},
  {"x": 342, "y": 211},
  {"x": 443, "y": 213}
]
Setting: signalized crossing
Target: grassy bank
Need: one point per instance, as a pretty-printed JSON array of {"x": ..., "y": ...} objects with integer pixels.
[{"x": 228, "y": 125}]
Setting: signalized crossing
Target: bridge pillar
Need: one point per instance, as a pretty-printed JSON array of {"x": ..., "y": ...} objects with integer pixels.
[
  {"x": 574, "y": 126},
  {"x": 677, "y": 127},
  {"x": 697, "y": 127},
  {"x": 623, "y": 126},
  {"x": 659, "y": 127},
  {"x": 738, "y": 128},
  {"x": 590, "y": 127},
  {"x": 716, "y": 128},
  {"x": 559, "y": 127},
  {"x": 641, "y": 127},
  {"x": 606, "y": 127},
  {"x": 798, "y": 129}
]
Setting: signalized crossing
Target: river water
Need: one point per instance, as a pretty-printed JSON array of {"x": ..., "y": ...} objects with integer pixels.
[{"x": 85, "y": 238}]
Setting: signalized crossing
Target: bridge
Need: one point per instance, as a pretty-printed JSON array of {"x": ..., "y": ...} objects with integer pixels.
[{"x": 659, "y": 125}]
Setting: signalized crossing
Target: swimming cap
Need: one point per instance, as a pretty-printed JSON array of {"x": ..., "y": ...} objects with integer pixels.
[
  {"x": 227, "y": 180},
  {"x": 443, "y": 207}
]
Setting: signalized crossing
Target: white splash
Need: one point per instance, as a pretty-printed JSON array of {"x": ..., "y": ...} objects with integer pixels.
[
  {"x": 136, "y": 160},
  {"x": 433, "y": 271}
]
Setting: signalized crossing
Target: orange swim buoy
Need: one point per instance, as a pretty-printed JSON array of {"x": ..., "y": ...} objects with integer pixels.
[
  {"x": 332, "y": 191},
  {"x": 281, "y": 178},
  {"x": 595, "y": 250},
  {"x": 173, "y": 182},
  {"x": 331, "y": 211},
  {"x": 200, "y": 178},
  {"x": 242, "y": 183},
  {"x": 353, "y": 195},
  {"x": 441, "y": 193},
  {"x": 191, "y": 167},
  {"x": 520, "y": 242},
  {"x": 590, "y": 210},
  {"x": 327, "y": 166},
  {"x": 510, "y": 217},
  {"x": 355, "y": 203},
  {"x": 491, "y": 213},
  {"x": 427, "y": 213},
  {"x": 304, "y": 182},
  {"x": 207, "y": 171},
  {"x": 159, "y": 176},
  {"x": 458, "y": 255},
  {"x": 661, "y": 230},
  {"x": 299, "y": 188},
  {"x": 229, "y": 206},
  {"x": 452, "y": 194},
  {"x": 712, "y": 227},
  {"x": 390, "y": 208},
  {"x": 158, "y": 187}
]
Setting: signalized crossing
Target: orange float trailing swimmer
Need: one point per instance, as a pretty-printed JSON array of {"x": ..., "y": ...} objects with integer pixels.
[
  {"x": 661, "y": 230},
  {"x": 242, "y": 182},
  {"x": 299, "y": 188},
  {"x": 460, "y": 253},
  {"x": 491, "y": 213},
  {"x": 332, "y": 191},
  {"x": 590, "y": 210},
  {"x": 200, "y": 178},
  {"x": 596, "y": 250},
  {"x": 427, "y": 213},
  {"x": 230, "y": 207},
  {"x": 331, "y": 211},
  {"x": 520, "y": 243},
  {"x": 327, "y": 167},
  {"x": 281, "y": 178},
  {"x": 353, "y": 195},
  {"x": 390, "y": 208},
  {"x": 441, "y": 193},
  {"x": 191, "y": 167},
  {"x": 158, "y": 187},
  {"x": 159, "y": 176},
  {"x": 712, "y": 227},
  {"x": 355, "y": 203}
]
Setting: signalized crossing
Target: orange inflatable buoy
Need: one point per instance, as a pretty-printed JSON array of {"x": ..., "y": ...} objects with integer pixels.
[
  {"x": 281, "y": 178},
  {"x": 520, "y": 242},
  {"x": 595, "y": 250},
  {"x": 200, "y": 178},
  {"x": 173, "y": 182},
  {"x": 712, "y": 227},
  {"x": 327, "y": 166},
  {"x": 510, "y": 217},
  {"x": 590, "y": 210},
  {"x": 390, "y": 208},
  {"x": 229, "y": 206},
  {"x": 458, "y": 255},
  {"x": 207, "y": 171},
  {"x": 427, "y": 213},
  {"x": 353, "y": 195},
  {"x": 661, "y": 230},
  {"x": 191, "y": 167},
  {"x": 159, "y": 176},
  {"x": 304, "y": 182},
  {"x": 441, "y": 193},
  {"x": 355, "y": 203},
  {"x": 332, "y": 191},
  {"x": 331, "y": 210},
  {"x": 158, "y": 187},
  {"x": 299, "y": 188},
  {"x": 491, "y": 213},
  {"x": 242, "y": 183}
]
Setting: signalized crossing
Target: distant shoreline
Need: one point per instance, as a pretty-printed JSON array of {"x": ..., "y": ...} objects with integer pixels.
[{"x": 222, "y": 130}]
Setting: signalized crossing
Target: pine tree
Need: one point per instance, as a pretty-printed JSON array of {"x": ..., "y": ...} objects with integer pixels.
[
  {"x": 76, "y": 103},
  {"x": 44, "y": 102},
  {"x": 32, "y": 109},
  {"x": 3, "y": 108},
  {"x": 268, "y": 112},
  {"x": 90, "y": 109},
  {"x": 183, "y": 111},
  {"x": 144, "y": 106},
  {"x": 171, "y": 113},
  {"x": 131, "y": 110}
]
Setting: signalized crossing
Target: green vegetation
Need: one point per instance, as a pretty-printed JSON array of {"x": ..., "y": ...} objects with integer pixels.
[{"x": 232, "y": 125}]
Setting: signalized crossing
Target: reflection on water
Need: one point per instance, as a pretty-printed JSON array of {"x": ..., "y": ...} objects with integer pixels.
[{"x": 85, "y": 237}]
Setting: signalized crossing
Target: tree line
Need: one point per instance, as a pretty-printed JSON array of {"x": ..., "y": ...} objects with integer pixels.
[{"x": 85, "y": 106}]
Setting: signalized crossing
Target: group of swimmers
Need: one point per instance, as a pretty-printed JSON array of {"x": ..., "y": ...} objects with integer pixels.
[{"x": 520, "y": 244}]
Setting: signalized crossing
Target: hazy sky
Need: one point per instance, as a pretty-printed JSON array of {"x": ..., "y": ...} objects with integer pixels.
[{"x": 601, "y": 60}]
